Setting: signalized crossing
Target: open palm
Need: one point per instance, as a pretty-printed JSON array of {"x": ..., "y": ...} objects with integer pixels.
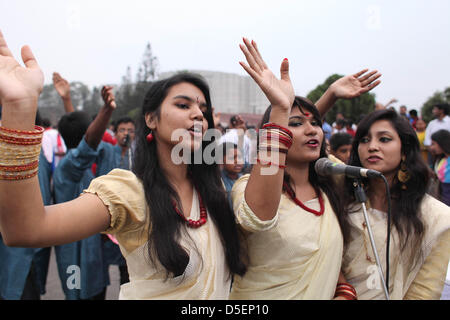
[
  {"x": 19, "y": 84},
  {"x": 353, "y": 86},
  {"x": 62, "y": 86},
  {"x": 279, "y": 92}
]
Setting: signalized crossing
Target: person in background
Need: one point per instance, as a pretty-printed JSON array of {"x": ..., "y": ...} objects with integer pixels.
[
  {"x": 53, "y": 145},
  {"x": 327, "y": 130},
  {"x": 421, "y": 127},
  {"x": 232, "y": 166},
  {"x": 109, "y": 135},
  {"x": 236, "y": 134},
  {"x": 341, "y": 145},
  {"x": 404, "y": 113},
  {"x": 440, "y": 147},
  {"x": 441, "y": 121},
  {"x": 349, "y": 127},
  {"x": 339, "y": 126},
  {"x": 413, "y": 117},
  {"x": 124, "y": 133},
  {"x": 339, "y": 116}
]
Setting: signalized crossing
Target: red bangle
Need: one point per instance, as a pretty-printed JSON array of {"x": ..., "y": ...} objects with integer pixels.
[
  {"x": 28, "y": 176},
  {"x": 346, "y": 285},
  {"x": 37, "y": 131},
  {"x": 275, "y": 126},
  {"x": 280, "y": 150},
  {"x": 345, "y": 290},
  {"x": 26, "y": 167},
  {"x": 271, "y": 164},
  {"x": 20, "y": 141},
  {"x": 287, "y": 142}
]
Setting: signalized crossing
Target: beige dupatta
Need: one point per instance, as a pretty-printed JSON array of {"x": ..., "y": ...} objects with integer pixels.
[{"x": 297, "y": 256}]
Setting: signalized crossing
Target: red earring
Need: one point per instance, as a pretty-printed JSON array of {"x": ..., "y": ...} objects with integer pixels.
[{"x": 150, "y": 137}]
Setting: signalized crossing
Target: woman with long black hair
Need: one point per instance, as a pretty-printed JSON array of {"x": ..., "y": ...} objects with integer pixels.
[
  {"x": 172, "y": 221},
  {"x": 420, "y": 235},
  {"x": 292, "y": 217}
]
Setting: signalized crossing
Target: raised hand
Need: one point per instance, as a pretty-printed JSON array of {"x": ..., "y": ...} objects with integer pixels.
[
  {"x": 108, "y": 97},
  {"x": 279, "y": 91},
  {"x": 353, "y": 86},
  {"x": 19, "y": 87},
  {"x": 61, "y": 85}
]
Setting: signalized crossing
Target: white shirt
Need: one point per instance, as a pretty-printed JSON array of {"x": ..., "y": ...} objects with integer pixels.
[
  {"x": 232, "y": 136},
  {"x": 436, "y": 125},
  {"x": 52, "y": 144}
]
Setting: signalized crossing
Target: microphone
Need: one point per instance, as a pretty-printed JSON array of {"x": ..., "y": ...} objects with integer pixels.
[
  {"x": 126, "y": 141},
  {"x": 325, "y": 167}
]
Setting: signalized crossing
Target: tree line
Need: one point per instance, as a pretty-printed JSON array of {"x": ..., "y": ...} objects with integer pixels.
[{"x": 131, "y": 92}]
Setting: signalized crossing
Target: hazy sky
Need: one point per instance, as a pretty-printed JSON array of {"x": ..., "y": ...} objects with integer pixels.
[{"x": 94, "y": 41}]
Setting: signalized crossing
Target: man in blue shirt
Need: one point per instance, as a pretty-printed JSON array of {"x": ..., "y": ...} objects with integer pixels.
[
  {"x": 232, "y": 166},
  {"x": 82, "y": 266}
]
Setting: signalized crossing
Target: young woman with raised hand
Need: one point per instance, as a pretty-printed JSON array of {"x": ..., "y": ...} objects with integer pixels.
[
  {"x": 420, "y": 233},
  {"x": 291, "y": 216},
  {"x": 173, "y": 222}
]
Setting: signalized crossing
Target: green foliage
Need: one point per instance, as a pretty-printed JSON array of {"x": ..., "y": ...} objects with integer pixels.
[
  {"x": 352, "y": 109},
  {"x": 436, "y": 98}
]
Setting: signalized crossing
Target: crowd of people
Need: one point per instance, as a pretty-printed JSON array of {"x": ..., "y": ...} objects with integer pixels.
[{"x": 257, "y": 223}]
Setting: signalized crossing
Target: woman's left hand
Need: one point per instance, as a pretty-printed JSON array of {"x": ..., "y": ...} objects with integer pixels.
[{"x": 353, "y": 86}]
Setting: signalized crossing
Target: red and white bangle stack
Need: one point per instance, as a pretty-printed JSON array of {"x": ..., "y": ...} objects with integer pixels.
[
  {"x": 346, "y": 291},
  {"x": 274, "y": 138},
  {"x": 19, "y": 153}
]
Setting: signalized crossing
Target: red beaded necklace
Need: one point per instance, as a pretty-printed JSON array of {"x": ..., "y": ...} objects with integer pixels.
[
  {"x": 191, "y": 223},
  {"x": 291, "y": 194}
]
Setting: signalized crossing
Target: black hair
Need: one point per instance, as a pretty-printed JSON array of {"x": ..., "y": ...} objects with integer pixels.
[
  {"x": 413, "y": 113},
  {"x": 442, "y": 138},
  {"x": 405, "y": 201},
  {"x": 341, "y": 122},
  {"x": 340, "y": 139},
  {"x": 443, "y": 106},
  {"x": 166, "y": 225},
  {"x": 46, "y": 123},
  {"x": 325, "y": 184},
  {"x": 123, "y": 120},
  {"x": 72, "y": 127}
]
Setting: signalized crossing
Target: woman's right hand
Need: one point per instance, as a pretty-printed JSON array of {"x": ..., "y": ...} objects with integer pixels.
[
  {"x": 20, "y": 87},
  {"x": 279, "y": 91}
]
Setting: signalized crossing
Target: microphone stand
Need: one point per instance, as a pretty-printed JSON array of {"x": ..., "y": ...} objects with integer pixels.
[{"x": 361, "y": 198}]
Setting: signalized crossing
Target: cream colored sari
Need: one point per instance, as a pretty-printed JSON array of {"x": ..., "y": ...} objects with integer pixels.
[{"x": 297, "y": 255}]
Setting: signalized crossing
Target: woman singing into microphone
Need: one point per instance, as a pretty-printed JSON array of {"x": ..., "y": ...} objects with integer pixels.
[
  {"x": 420, "y": 237},
  {"x": 291, "y": 215}
]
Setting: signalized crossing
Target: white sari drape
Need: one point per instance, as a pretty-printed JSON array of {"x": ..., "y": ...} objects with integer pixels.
[{"x": 297, "y": 255}]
